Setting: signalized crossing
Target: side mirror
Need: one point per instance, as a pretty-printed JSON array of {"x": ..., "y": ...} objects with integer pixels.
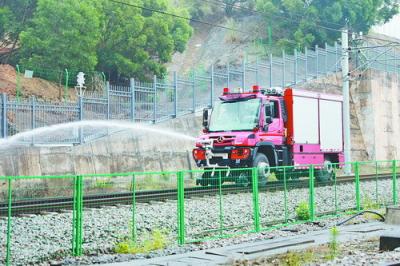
[
  {"x": 268, "y": 120},
  {"x": 205, "y": 117}
]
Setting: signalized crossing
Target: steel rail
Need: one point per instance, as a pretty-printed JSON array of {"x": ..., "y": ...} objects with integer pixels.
[{"x": 57, "y": 204}]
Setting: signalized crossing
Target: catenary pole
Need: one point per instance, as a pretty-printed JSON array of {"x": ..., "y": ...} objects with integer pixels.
[{"x": 346, "y": 100}]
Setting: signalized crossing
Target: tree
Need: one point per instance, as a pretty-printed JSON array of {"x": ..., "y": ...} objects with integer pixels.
[
  {"x": 137, "y": 42},
  {"x": 295, "y": 23},
  {"x": 62, "y": 34},
  {"x": 15, "y": 15},
  {"x": 200, "y": 9}
]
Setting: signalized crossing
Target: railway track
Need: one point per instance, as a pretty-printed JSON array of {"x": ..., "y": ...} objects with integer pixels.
[{"x": 57, "y": 204}]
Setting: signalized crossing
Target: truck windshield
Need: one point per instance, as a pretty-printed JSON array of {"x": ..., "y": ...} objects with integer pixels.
[{"x": 239, "y": 115}]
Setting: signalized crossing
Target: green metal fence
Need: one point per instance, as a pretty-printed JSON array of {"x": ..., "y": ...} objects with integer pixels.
[{"x": 172, "y": 202}]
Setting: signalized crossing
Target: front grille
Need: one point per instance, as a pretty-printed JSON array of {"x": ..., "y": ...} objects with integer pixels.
[{"x": 225, "y": 140}]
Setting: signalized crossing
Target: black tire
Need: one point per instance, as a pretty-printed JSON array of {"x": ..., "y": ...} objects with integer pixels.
[
  {"x": 261, "y": 163},
  {"x": 205, "y": 179},
  {"x": 243, "y": 178},
  {"x": 325, "y": 174}
]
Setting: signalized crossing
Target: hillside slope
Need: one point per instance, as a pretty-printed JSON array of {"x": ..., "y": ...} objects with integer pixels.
[{"x": 40, "y": 88}]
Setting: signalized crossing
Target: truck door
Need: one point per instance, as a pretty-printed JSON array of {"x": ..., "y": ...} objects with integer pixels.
[{"x": 275, "y": 128}]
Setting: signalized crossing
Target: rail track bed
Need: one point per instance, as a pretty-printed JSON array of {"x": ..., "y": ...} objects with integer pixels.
[{"x": 57, "y": 204}]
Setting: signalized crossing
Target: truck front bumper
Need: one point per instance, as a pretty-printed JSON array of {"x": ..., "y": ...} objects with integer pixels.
[{"x": 221, "y": 159}]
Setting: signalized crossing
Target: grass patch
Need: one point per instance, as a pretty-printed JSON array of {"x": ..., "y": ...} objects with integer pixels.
[
  {"x": 297, "y": 258},
  {"x": 303, "y": 211},
  {"x": 103, "y": 184},
  {"x": 155, "y": 240}
]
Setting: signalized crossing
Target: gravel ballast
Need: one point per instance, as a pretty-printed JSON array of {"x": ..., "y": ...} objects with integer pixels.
[{"x": 38, "y": 239}]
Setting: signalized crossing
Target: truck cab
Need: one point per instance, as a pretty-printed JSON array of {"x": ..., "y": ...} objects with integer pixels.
[{"x": 259, "y": 128}]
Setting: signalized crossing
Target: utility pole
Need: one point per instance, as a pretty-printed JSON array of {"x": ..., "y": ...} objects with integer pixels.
[{"x": 346, "y": 100}]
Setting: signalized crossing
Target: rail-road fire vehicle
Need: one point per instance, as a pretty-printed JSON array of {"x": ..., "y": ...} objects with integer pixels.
[{"x": 268, "y": 128}]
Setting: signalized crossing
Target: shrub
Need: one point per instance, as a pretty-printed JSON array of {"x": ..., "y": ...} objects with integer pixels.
[
  {"x": 297, "y": 258},
  {"x": 156, "y": 240},
  {"x": 303, "y": 211}
]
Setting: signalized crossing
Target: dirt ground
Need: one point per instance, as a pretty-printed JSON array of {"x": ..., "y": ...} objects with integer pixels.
[{"x": 40, "y": 88}]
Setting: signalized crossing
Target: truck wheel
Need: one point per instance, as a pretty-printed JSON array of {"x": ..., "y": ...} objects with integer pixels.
[
  {"x": 244, "y": 178},
  {"x": 204, "y": 180},
  {"x": 326, "y": 173},
  {"x": 263, "y": 169}
]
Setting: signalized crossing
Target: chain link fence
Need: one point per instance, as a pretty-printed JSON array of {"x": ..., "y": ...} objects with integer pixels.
[{"x": 88, "y": 214}]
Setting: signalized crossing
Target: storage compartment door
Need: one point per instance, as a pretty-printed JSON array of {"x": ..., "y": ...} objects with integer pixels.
[
  {"x": 305, "y": 120},
  {"x": 331, "y": 125}
]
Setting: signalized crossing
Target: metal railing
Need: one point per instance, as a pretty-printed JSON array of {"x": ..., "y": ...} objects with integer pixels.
[
  {"x": 162, "y": 99},
  {"x": 179, "y": 94},
  {"x": 219, "y": 210}
]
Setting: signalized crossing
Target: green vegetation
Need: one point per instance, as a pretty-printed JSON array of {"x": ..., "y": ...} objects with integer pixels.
[
  {"x": 103, "y": 184},
  {"x": 369, "y": 204},
  {"x": 61, "y": 34},
  {"x": 93, "y": 35},
  {"x": 303, "y": 211},
  {"x": 155, "y": 240},
  {"x": 297, "y": 258},
  {"x": 295, "y": 22},
  {"x": 127, "y": 41},
  {"x": 333, "y": 244},
  {"x": 200, "y": 9}
]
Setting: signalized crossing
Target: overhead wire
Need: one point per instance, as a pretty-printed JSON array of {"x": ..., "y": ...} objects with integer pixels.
[
  {"x": 278, "y": 16},
  {"x": 175, "y": 15}
]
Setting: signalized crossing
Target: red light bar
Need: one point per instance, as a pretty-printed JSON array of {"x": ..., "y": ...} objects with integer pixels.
[
  {"x": 226, "y": 91},
  {"x": 256, "y": 88}
]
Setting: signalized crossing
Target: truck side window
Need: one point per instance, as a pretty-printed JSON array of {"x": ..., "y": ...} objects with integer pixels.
[
  {"x": 284, "y": 112},
  {"x": 276, "y": 109}
]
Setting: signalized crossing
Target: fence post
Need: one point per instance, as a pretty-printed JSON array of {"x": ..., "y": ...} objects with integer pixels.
[
  {"x": 33, "y": 111},
  {"x": 316, "y": 60},
  {"x": 9, "y": 221},
  {"x": 306, "y": 63},
  {"x": 283, "y": 68},
  {"x": 181, "y": 208},
  {"x": 311, "y": 187},
  {"x": 18, "y": 89},
  {"x": 336, "y": 58},
  {"x": 326, "y": 58},
  {"x": 132, "y": 86},
  {"x": 155, "y": 99},
  {"x": 175, "y": 94},
  {"x": 212, "y": 86},
  {"x": 80, "y": 106},
  {"x": 270, "y": 70},
  {"x": 228, "y": 71},
  {"x": 256, "y": 206},
  {"x": 193, "y": 91},
  {"x": 77, "y": 217},
  {"x": 394, "y": 181},
  {"x": 133, "y": 209},
  {"x": 66, "y": 85},
  {"x": 4, "y": 115},
  {"x": 257, "y": 74},
  {"x": 244, "y": 73},
  {"x": 295, "y": 66},
  {"x": 108, "y": 99},
  {"x": 285, "y": 196},
  {"x": 357, "y": 176}
]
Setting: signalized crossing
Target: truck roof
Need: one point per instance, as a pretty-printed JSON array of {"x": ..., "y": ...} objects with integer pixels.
[{"x": 276, "y": 93}]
